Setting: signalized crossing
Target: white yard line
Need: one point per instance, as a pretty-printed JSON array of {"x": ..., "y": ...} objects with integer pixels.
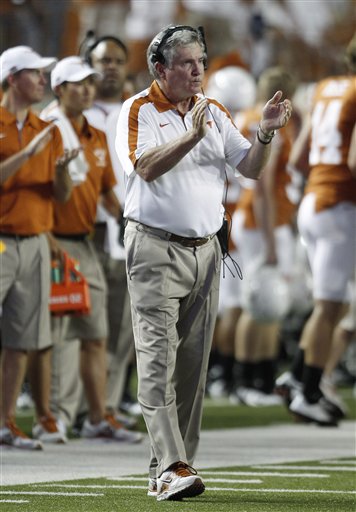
[
  {"x": 14, "y": 501},
  {"x": 242, "y": 489},
  {"x": 313, "y": 491},
  {"x": 347, "y": 462},
  {"x": 308, "y": 468},
  {"x": 137, "y": 479},
  {"x": 262, "y": 473},
  {"x": 47, "y": 493}
]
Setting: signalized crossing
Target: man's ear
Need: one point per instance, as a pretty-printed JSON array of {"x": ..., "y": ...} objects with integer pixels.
[
  {"x": 161, "y": 69},
  {"x": 58, "y": 90},
  {"x": 11, "y": 78}
]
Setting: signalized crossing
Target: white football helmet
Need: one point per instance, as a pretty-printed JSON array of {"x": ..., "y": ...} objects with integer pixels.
[
  {"x": 266, "y": 294},
  {"x": 234, "y": 87}
]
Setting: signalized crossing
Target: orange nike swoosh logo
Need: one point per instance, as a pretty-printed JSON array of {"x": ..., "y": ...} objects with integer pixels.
[{"x": 162, "y": 125}]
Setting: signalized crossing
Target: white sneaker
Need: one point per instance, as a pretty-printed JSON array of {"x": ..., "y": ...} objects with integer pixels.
[
  {"x": 109, "y": 428},
  {"x": 11, "y": 435},
  {"x": 48, "y": 430},
  {"x": 287, "y": 386},
  {"x": 152, "y": 487},
  {"x": 255, "y": 398},
  {"x": 317, "y": 412},
  {"x": 180, "y": 481}
]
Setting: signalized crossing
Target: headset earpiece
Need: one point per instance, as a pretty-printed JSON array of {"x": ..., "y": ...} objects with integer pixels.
[{"x": 202, "y": 35}]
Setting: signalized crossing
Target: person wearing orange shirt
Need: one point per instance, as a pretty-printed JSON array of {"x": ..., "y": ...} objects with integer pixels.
[
  {"x": 73, "y": 82},
  {"x": 33, "y": 171},
  {"x": 327, "y": 223}
]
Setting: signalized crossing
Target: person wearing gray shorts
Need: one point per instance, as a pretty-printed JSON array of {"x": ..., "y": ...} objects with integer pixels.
[
  {"x": 73, "y": 82},
  {"x": 33, "y": 172}
]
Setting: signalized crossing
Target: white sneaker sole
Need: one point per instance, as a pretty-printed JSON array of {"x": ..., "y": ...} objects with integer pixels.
[{"x": 190, "y": 491}]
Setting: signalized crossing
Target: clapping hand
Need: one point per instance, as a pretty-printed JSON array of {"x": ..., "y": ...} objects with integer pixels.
[
  {"x": 199, "y": 117},
  {"x": 67, "y": 157},
  {"x": 276, "y": 113}
]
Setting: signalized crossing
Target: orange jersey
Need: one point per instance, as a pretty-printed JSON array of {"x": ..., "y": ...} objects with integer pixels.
[
  {"x": 285, "y": 209},
  {"x": 26, "y": 197},
  {"x": 333, "y": 119},
  {"x": 78, "y": 214}
]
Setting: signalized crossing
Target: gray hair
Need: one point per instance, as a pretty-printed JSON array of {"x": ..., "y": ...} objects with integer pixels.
[{"x": 181, "y": 36}]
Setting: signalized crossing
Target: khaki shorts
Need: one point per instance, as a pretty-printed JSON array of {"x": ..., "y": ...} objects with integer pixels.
[
  {"x": 24, "y": 292},
  {"x": 95, "y": 325}
]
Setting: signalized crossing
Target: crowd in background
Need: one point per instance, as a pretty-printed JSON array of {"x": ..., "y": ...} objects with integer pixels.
[
  {"x": 252, "y": 33},
  {"x": 269, "y": 45}
]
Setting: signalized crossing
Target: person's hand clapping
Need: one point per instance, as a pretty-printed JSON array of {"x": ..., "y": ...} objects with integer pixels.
[
  {"x": 199, "y": 118},
  {"x": 276, "y": 113},
  {"x": 67, "y": 157}
]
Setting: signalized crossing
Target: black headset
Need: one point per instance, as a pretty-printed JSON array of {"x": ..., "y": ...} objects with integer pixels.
[
  {"x": 158, "y": 44},
  {"x": 89, "y": 44}
]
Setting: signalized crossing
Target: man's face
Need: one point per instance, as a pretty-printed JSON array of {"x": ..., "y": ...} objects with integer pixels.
[
  {"x": 77, "y": 96},
  {"x": 30, "y": 85},
  {"x": 110, "y": 60},
  {"x": 184, "y": 78}
]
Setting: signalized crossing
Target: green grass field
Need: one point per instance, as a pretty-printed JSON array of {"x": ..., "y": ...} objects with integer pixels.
[
  {"x": 221, "y": 414},
  {"x": 320, "y": 486}
]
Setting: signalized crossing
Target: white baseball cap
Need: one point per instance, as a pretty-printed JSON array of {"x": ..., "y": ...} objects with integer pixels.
[
  {"x": 23, "y": 57},
  {"x": 71, "y": 69}
]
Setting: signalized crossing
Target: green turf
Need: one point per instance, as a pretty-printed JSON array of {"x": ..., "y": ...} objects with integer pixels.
[
  {"x": 286, "y": 490},
  {"x": 221, "y": 414},
  {"x": 273, "y": 494}
]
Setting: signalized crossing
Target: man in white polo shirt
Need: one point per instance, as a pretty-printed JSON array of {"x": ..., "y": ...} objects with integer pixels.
[{"x": 174, "y": 144}]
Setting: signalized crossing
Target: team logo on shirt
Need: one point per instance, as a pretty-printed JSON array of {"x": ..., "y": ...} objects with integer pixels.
[
  {"x": 2, "y": 135},
  {"x": 100, "y": 155},
  {"x": 2, "y": 247}
]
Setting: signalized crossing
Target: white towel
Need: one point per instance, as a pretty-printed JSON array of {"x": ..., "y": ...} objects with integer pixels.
[{"x": 78, "y": 167}]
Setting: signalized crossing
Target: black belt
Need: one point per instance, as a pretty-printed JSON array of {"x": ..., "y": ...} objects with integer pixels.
[
  {"x": 189, "y": 242},
  {"x": 171, "y": 237},
  {"x": 14, "y": 236},
  {"x": 75, "y": 236}
]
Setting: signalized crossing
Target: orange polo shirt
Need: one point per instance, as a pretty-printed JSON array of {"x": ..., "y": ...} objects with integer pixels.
[
  {"x": 78, "y": 215},
  {"x": 26, "y": 206}
]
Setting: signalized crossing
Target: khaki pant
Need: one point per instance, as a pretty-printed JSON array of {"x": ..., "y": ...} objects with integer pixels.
[{"x": 174, "y": 296}]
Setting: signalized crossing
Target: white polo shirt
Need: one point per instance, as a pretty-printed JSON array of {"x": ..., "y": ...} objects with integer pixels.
[
  {"x": 104, "y": 116},
  {"x": 187, "y": 200}
]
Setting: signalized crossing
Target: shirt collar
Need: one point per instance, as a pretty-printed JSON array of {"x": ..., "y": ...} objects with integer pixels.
[
  {"x": 86, "y": 130},
  {"x": 8, "y": 118},
  {"x": 162, "y": 103}
]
